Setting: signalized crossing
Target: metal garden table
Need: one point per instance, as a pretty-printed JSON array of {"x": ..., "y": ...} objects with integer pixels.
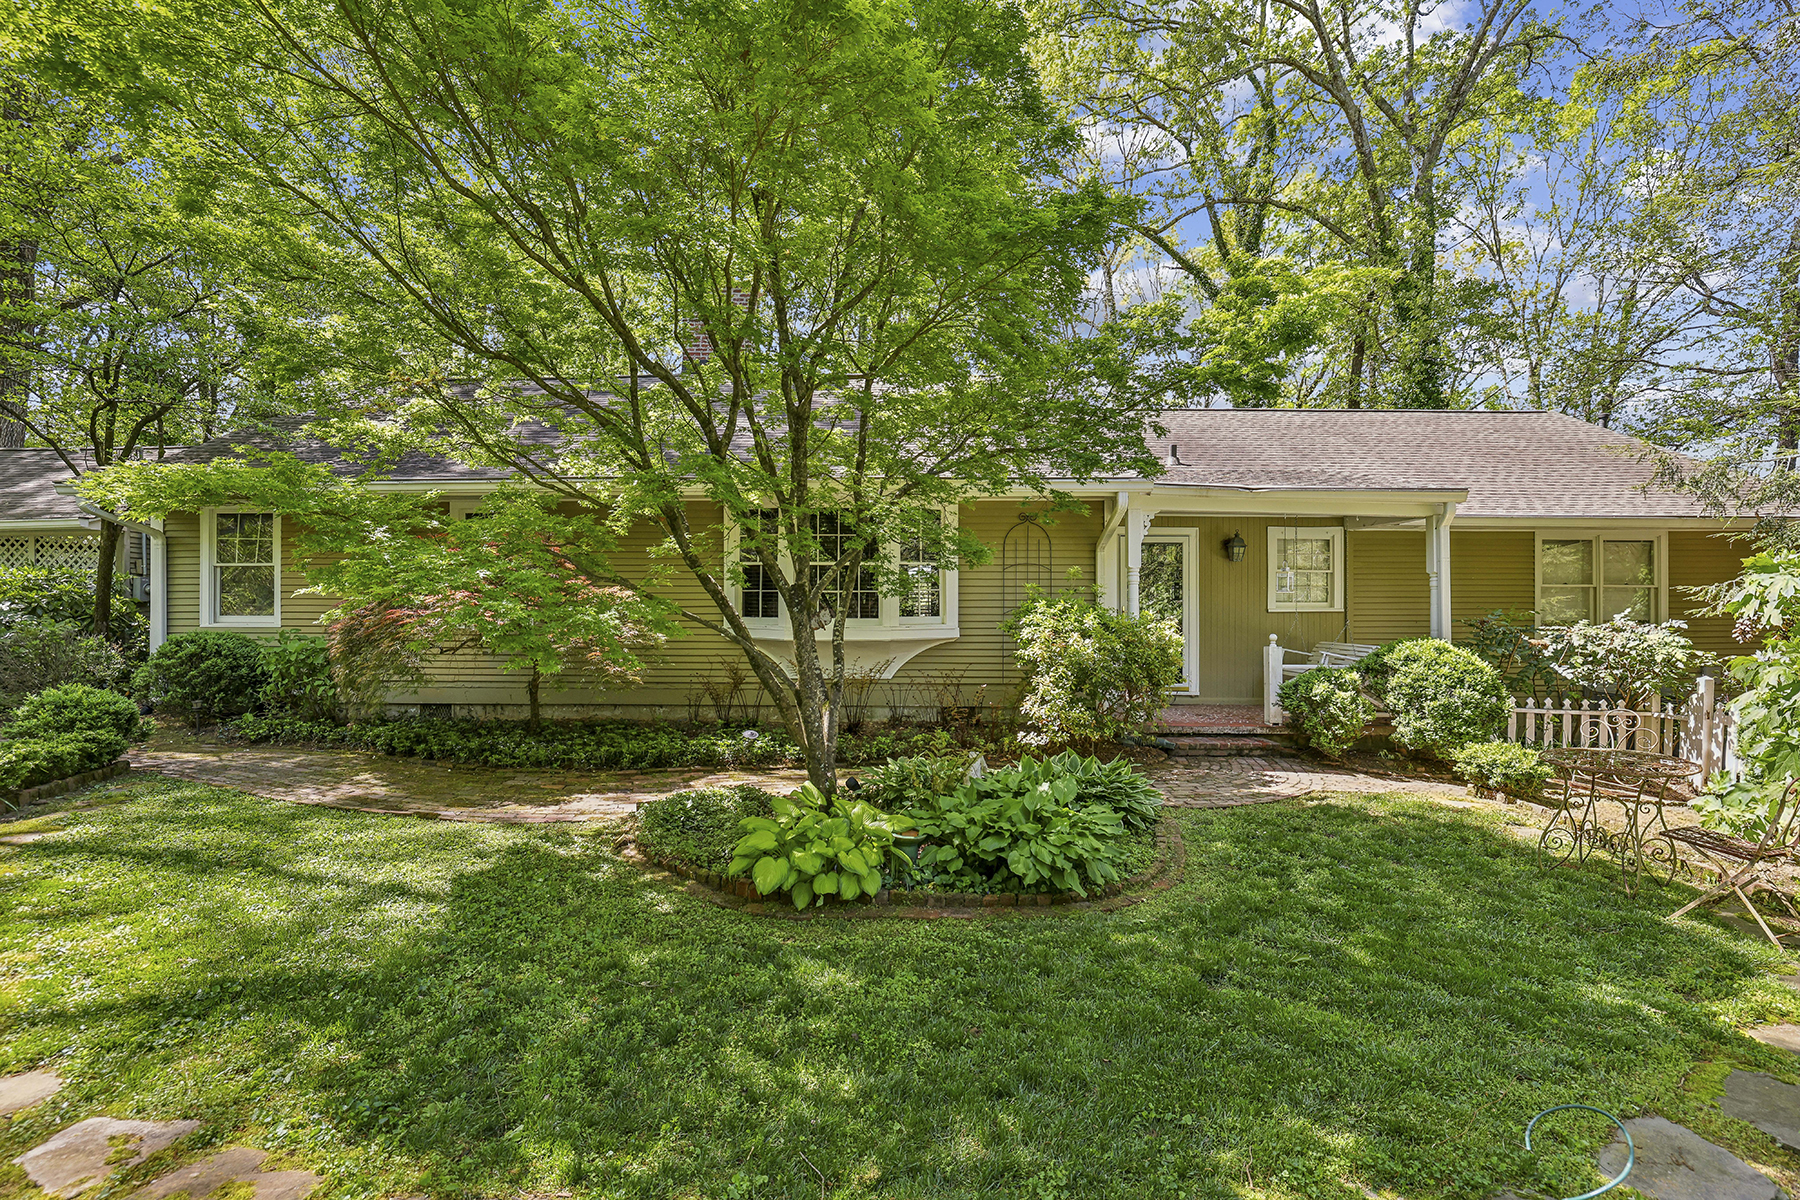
[{"x": 1590, "y": 784}]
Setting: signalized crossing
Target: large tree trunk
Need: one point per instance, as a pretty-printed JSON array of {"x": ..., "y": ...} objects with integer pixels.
[
  {"x": 18, "y": 287},
  {"x": 1784, "y": 358},
  {"x": 103, "y": 579},
  {"x": 1422, "y": 374},
  {"x": 536, "y": 717}
]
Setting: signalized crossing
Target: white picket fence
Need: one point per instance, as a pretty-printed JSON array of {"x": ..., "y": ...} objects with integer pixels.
[{"x": 1698, "y": 730}]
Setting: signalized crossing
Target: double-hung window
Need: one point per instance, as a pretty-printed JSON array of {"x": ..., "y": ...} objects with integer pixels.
[
  {"x": 242, "y": 571},
  {"x": 1597, "y": 579},
  {"x": 924, "y": 594},
  {"x": 1306, "y": 568},
  {"x": 758, "y": 600}
]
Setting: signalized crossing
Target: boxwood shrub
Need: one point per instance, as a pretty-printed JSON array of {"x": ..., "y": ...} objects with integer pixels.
[
  {"x": 1503, "y": 769},
  {"x": 1328, "y": 707},
  {"x": 699, "y": 827},
  {"x": 75, "y": 708},
  {"x": 217, "y": 671},
  {"x": 28, "y": 762},
  {"x": 1443, "y": 697}
]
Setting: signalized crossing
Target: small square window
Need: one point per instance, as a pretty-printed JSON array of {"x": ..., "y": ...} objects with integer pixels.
[{"x": 1306, "y": 568}]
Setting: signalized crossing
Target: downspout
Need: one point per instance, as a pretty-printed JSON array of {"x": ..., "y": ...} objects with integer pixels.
[{"x": 159, "y": 565}]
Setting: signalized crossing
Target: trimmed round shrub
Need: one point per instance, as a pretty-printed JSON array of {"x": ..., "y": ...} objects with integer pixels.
[
  {"x": 75, "y": 708},
  {"x": 217, "y": 671},
  {"x": 1503, "y": 769},
  {"x": 1443, "y": 697},
  {"x": 1377, "y": 669},
  {"x": 1328, "y": 708}
]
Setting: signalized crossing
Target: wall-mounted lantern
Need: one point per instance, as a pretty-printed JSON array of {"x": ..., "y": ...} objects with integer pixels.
[{"x": 1234, "y": 548}]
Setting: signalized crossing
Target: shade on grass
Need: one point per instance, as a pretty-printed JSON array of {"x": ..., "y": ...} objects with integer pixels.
[{"x": 1370, "y": 991}]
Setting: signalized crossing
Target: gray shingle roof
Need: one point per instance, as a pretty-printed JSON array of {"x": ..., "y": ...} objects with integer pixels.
[
  {"x": 285, "y": 434},
  {"x": 28, "y": 480},
  {"x": 1514, "y": 464}
]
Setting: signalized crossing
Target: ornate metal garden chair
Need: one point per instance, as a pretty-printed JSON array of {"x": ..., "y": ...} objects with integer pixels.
[{"x": 1746, "y": 867}]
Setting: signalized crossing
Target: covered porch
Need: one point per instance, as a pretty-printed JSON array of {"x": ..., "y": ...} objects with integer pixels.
[{"x": 1237, "y": 567}]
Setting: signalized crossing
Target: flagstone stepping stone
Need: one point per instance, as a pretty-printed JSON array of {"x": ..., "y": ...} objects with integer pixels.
[
  {"x": 1784, "y": 1037},
  {"x": 240, "y": 1164},
  {"x": 23, "y": 839},
  {"x": 1674, "y": 1163},
  {"x": 83, "y": 1154},
  {"x": 23, "y": 1091},
  {"x": 1766, "y": 1102}
]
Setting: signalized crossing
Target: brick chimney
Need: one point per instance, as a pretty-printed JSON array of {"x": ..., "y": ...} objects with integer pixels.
[{"x": 698, "y": 346}]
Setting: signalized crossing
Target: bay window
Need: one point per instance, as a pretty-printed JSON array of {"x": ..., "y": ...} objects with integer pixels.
[{"x": 927, "y": 595}]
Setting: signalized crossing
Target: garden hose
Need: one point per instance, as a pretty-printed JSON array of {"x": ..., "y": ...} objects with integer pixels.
[{"x": 1630, "y": 1148}]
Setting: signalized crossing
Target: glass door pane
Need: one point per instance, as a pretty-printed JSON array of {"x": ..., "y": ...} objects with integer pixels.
[{"x": 1162, "y": 582}]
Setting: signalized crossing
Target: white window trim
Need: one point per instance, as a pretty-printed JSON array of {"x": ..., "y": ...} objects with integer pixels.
[
  {"x": 1660, "y": 537},
  {"x": 461, "y": 508},
  {"x": 1189, "y": 539},
  {"x": 886, "y": 625},
  {"x": 209, "y": 600},
  {"x": 1336, "y": 535}
]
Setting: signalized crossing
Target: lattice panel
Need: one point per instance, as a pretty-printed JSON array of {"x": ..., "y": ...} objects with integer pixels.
[
  {"x": 68, "y": 553},
  {"x": 15, "y": 551}
]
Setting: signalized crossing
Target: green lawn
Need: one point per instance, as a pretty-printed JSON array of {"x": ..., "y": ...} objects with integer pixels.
[{"x": 1370, "y": 992}]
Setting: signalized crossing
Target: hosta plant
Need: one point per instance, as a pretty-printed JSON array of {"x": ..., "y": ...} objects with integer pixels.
[
  {"x": 1116, "y": 784},
  {"x": 1021, "y": 830},
  {"x": 813, "y": 847}
]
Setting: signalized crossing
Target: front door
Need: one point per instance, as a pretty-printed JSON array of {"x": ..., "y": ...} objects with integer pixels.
[{"x": 1166, "y": 590}]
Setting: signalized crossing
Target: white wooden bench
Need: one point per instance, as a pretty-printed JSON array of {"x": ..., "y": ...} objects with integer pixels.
[{"x": 1277, "y": 670}]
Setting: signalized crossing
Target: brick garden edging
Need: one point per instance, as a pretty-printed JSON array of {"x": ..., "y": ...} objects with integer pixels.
[
  {"x": 57, "y": 787},
  {"x": 1164, "y": 871}
]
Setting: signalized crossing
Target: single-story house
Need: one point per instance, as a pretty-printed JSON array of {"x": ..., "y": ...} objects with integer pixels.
[
  {"x": 1306, "y": 526},
  {"x": 42, "y": 527}
]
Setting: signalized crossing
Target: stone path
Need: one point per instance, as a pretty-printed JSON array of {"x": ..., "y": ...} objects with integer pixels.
[
  {"x": 23, "y": 1091},
  {"x": 85, "y": 1153},
  {"x": 89, "y": 1152},
  {"x": 399, "y": 786},
  {"x": 1675, "y": 1163}
]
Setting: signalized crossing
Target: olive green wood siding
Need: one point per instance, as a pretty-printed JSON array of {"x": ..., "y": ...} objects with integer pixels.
[
  {"x": 1390, "y": 594},
  {"x": 1697, "y": 559},
  {"x": 1235, "y": 621},
  {"x": 982, "y": 656},
  {"x": 1386, "y": 597}
]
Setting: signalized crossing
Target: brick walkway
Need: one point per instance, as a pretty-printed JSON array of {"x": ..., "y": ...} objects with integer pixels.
[
  {"x": 1223, "y": 782},
  {"x": 413, "y": 787},
  {"x": 398, "y": 786}
]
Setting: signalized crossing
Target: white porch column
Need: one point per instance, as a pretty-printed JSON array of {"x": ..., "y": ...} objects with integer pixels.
[
  {"x": 159, "y": 591},
  {"x": 1437, "y": 569},
  {"x": 1137, "y": 524},
  {"x": 1106, "y": 555}
]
